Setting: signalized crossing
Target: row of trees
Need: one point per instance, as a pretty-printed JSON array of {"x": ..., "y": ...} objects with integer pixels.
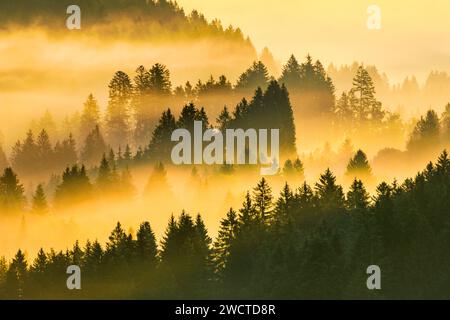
[
  {"x": 270, "y": 109},
  {"x": 311, "y": 242},
  {"x": 134, "y": 102}
]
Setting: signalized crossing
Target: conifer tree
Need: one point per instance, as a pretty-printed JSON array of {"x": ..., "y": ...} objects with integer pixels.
[
  {"x": 364, "y": 102},
  {"x": 16, "y": 276},
  {"x": 3, "y": 159},
  {"x": 357, "y": 197},
  {"x": 227, "y": 233},
  {"x": 223, "y": 120},
  {"x": 254, "y": 77},
  {"x": 262, "y": 199},
  {"x": 160, "y": 146},
  {"x": 425, "y": 136},
  {"x": 146, "y": 245},
  {"x": 12, "y": 196},
  {"x": 359, "y": 166},
  {"x": 90, "y": 117},
  {"x": 329, "y": 194},
  {"x": 291, "y": 73},
  {"x": 94, "y": 147},
  {"x": 118, "y": 111}
]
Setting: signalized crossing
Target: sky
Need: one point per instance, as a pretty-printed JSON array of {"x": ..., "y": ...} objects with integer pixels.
[{"x": 413, "y": 38}]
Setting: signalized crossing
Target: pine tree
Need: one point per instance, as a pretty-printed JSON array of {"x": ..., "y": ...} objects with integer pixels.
[
  {"x": 262, "y": 199},
  {"x": 65, "y": 153},
  {"x": 44, "y": 151},
  {"x": 254, "y": 77},
  {"x": 160, "y": 146},
  {"x": 93, "y": 257},
  {"x": 3, "y": 159},
  {"x": 299, "y": 168},
  {"x": 105, "y": 179},
  {"x": 202, "y": 251},
  {"x": 344, "y": 111},
  {"x": 25, "y": 156},
  {"x": 359, "y": 166},
  {"x": 159, "y": 79},
  {"x": 227, "y": 233},
  {"x": 363, "y": 101},
  {"x": 223, "y": 120},
  {"x": 146, "y": 245},
  {"x": 284, "y": 206},
  {"x": 90, "y": 118},
  {"x": 116, "y": 248},
  {"x": 94, "y": 147},
  {"x": 39, "y": 203},
  {"x": 158, "y": 186},
  {"x": 75, "y": 186},
  {"x": 329, "y": 194},
  {"x": 76, "y": 255},
  {"x": 16, "y": 276},
  {"x": 425, "y": 136},
  {"x": 247, "y": 214},
  {"x": 357, "y": 197},
  {"x": 291, "y": 74}
]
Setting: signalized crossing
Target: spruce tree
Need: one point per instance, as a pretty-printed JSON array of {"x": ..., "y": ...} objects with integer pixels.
[
  {"x": 146, "y": 245},
  {"x": 255, "y": 76},
  {"x": 160, "y": 146},
  {"x": 227, "y": 233},
  {"x": 329, "y": 194},
  {"x": 94, "y": 147},
  {"x": 16, "y": 276},
  {"x": 39, "y": 203},
  {"x": 357, "y": 197},
  {"x": 12, "y": 196},
  {"x": 262, "y": 200},
  {"x": 359, "y": 166},
  {"x": 90, "y": 117}
]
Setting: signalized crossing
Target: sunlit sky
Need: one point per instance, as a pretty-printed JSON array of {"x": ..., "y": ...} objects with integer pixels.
[{"x": 413, "y": 38}]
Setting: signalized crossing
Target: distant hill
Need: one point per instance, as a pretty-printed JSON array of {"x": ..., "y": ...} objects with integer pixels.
[{"x": 138, "y": 18}]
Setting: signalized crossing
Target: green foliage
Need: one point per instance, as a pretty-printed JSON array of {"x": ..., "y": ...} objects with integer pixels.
[
  {"x": 359, "y": 166},
  {"x": 425, "y": 136},
  {"x": 75, "y": 187}
]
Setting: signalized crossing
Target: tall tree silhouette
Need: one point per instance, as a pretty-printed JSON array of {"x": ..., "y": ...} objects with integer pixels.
[
  {"x": 90, "y": 117},
  {"x": 118, "y": 111}
]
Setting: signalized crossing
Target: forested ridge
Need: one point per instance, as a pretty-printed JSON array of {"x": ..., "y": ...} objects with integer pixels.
[
  {"x": 138, "y": 19},
  {"x": 308, "y": 242}
]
